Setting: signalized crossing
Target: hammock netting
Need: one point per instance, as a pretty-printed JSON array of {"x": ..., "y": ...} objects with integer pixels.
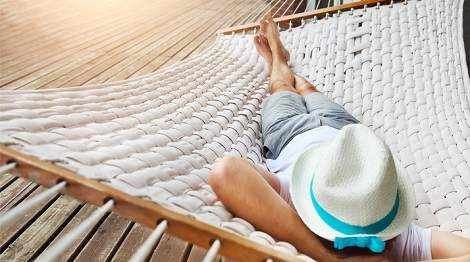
[{"x": 399, "y": 70}]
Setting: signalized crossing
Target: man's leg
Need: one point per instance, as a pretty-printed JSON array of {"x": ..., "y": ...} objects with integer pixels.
[
  {"x": 303, "y": 87},
  {"x": 252, "y": 193},
  {"x": 300, "y": 86},
  {"x": 282, "y": 78}
]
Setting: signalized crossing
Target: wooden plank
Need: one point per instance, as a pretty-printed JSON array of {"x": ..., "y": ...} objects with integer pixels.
[
  {"x": 38, "y": 234},
  {"x": 197, "y": 254},
  {"x": 38, "y": 43},
  {"x": 15, "y": 193},
  {"x": 73, "y": 34},
  {"x": 6, "y": 180},
  {"x": 78, "y": 70},
  {"x": 206, "y": 42},
  {"x": 65, "y": 30},
  {"x": 134, "y": 239},
  {"x": 9, "y": 234},
  {"x": 49, "y": 64},
  {"x": 15, "y": 24},
  {"x": 92, "y": 64},
  {"x": 257, "y": 9},
  {"x": 179, "y": 41},
  {"x": 210, "y": 39},
  {"x": 137, "y": 53},
  {"x": 69, "y": 254},
  {"x": 24, "y": 33},
  {"x": 26, "y": 36},
  {"x": 185, "y": 46},
  {"x": 171, "y": 249},
  {"x": 178, "y": 46},
  {"x": 205, "y": 38},
  {"x": 106, "y": 239}
]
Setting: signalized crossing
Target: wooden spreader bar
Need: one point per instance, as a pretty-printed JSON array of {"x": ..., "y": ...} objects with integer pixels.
[
  {"x": 307, "y": 15},
  {"x": 144, "y": 212}
]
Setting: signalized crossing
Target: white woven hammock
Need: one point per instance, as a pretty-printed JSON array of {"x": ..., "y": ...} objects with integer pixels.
[{"x": 399, "y": 69}]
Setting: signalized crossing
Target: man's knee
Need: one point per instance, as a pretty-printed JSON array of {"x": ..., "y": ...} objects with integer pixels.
[
  {"x": 305, "y": 89},
  {"x": 223, "y": 172},
  {"x": 281, "y": 85}
]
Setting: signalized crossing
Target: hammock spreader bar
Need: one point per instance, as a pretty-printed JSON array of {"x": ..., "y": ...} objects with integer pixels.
[
  {"x": 138, "y": 210},
  {"x": 308, "y": 15}
]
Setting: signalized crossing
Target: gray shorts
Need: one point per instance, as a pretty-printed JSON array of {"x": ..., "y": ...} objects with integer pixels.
[{"x": 286, "y": 114}]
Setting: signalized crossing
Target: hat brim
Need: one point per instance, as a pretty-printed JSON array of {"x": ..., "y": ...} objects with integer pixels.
[{"x": 300, "y": 192}]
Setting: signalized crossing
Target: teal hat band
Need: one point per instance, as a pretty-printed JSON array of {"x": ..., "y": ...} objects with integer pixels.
[{"x": 349, "y": 229}]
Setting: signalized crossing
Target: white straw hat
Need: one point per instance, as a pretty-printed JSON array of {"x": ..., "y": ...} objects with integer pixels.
[{"x": 352, "y": 191}]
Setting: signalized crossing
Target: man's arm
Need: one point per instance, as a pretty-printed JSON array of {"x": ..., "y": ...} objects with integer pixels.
[
  {"x": 252, "y": 193},
  {"x": 445, "y": 245}
]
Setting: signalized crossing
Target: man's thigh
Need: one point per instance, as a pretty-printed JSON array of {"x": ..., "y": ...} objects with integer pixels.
[
  {"x": 329, "y": 112},
  {"x": 284, "y": 115}
]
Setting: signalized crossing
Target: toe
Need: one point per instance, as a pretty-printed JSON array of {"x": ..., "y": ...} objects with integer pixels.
[
  {"x": 264, "y": 39},
  {"x": 263, "y": 23},
  {"x": 268, "y": 18}
]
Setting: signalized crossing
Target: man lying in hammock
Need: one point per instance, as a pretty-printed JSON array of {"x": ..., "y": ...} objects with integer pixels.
[{"x": 361, "y": 201}]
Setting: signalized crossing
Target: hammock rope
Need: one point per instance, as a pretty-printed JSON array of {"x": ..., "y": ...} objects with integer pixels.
[{"x": 397, "y": 68}]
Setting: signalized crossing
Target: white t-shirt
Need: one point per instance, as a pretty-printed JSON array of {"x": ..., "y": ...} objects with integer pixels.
[
  {"x": 413, "y": 244},
  {"x": 301, "y": 142}
]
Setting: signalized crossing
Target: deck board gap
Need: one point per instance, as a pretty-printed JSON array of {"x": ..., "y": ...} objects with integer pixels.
[
  {"x": 119, "y": 242},
  {"x": 6, "y": 180}
]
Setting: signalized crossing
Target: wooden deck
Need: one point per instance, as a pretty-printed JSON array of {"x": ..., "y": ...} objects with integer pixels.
[{"x": 56, "y": 43}]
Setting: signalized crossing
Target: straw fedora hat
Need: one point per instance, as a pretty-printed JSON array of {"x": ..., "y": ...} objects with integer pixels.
[{"x": 352, "y": 191}]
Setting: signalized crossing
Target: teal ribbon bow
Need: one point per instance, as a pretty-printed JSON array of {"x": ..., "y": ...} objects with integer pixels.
[{"x": 372, "y": 242}]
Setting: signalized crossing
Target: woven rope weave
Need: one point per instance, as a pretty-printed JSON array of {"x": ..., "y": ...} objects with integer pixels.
[{"x": 398, "y": 70}]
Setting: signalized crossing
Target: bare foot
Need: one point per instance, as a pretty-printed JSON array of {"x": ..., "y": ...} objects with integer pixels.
[
  {"x": 262, "y": 46},
  {"x": 269, "y": 29}
]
